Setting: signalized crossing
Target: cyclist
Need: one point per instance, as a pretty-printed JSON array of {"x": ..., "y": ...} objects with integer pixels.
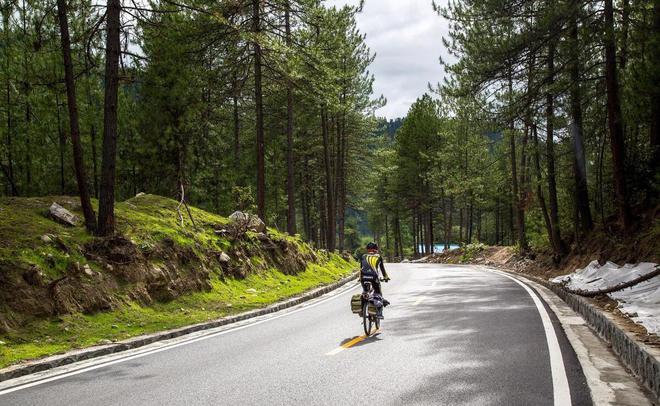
[{"x": 370, "y": 265}]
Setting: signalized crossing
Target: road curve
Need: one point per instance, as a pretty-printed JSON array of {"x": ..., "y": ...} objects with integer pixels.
[{"x": 453, "y": 335}]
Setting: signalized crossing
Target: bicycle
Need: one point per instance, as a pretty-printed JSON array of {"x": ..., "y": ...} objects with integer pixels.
[{"x": 370, "y": 310}]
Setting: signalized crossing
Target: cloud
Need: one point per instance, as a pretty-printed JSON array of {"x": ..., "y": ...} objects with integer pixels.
[{"x": 407, "y": 39}]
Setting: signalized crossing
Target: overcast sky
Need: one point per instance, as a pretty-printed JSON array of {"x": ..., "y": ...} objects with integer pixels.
[{"x": 406, "y": 36}]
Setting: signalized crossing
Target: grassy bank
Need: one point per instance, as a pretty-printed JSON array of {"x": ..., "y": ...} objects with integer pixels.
[{"x": 257, "y": 274}]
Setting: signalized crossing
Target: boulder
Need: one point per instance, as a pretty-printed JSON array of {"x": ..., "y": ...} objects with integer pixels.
[
  {"x": 247, "y": 221},
  {"x": 140, "y": 194},
  {"x": 224, "y": 258},
  {"x": 62, "y": 215},
  {"x": 239, "y": 218},
  {"x": 256, "y": 224},
  {"x": 87, "y": 270}
]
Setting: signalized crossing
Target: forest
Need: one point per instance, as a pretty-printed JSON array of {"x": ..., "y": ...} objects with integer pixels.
[
  {"x": 232, "y": 105},
  {"x": 545, "y": 131},
  {"x": 545, "y": 128}
]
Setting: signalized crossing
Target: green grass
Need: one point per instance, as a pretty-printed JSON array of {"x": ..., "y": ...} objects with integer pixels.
[
  {"x": 57, "y": 335},
  {"x": 147, "y": 221}
]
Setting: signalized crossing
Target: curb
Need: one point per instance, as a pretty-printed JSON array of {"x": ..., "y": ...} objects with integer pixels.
[
  {"x": 140, "y": 341},
  {"x": 636, "y": 356}
]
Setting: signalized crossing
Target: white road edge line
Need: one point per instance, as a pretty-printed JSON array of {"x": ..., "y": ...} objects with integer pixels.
[
  {"x": 303, "y": 306},
  {"x": 560, "y": 390}
]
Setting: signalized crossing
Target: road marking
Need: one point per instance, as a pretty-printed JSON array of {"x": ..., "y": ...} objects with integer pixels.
[
  {"x": 125, "y": 356},
  {"x": 434, "y": 283},
  {"x": 560, "y": 390},
  {"x": 347, "y": 345},
  {"x": 420, "y": 300}
]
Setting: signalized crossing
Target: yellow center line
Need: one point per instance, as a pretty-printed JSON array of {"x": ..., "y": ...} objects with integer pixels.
[{"x": 348, "y": 344}]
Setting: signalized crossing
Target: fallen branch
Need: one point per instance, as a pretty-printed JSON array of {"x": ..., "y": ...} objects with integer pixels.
[
  {"x": 182, "y": 202},
  {"x": 592, "y": 293}
]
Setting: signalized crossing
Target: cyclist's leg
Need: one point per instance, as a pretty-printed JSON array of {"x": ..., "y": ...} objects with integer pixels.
[{"x": 378, "y": 289}]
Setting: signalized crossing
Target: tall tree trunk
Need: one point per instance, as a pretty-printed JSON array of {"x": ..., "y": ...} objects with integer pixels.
[
  {"x": 258, "y": 105},
  {"x": 323, "y": 216},
  {"x": 517, "y": 205},
  {"x": 330, "y": 228},
  {"x": 615, "y": 119},
  {"x": 106, "y": 223},
  {"x": 414, "y": 234},
  {"x": 460, "y": 225},
  {"x": 237, "y": 126},
  {"x": 9, "y": 170},
  {"x": 539, "y": 192},
  {"x": 450, "y": 224},
  {"x": 557, "y": 242},
  {"x": 625, "y": 26},
  {"x": 81, "y": 176},
  {"x": 290, "y": 175},
  {"x": 470, "y": 221},
  {"x": 579, "y": 162},
  {"x": 62, "y": 142},
  {"x": 654, "y": 127},
  {"x": 497, "y": 220},
  {"x": 399, "y": 233},
  {"x": 28, "y": 107},
  {"x": 342, "y": 182}
]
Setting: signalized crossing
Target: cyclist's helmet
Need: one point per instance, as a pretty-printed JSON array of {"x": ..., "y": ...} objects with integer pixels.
[{"x": 372, "y": 246}]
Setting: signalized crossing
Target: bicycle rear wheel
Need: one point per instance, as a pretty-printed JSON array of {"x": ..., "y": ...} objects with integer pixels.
[{"x": 366, "y": 319}]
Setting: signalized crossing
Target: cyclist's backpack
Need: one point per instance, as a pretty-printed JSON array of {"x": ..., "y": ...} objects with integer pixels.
[{"x": 356, "y": 303}]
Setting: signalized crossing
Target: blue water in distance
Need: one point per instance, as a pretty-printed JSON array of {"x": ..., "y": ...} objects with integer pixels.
[{"x": 439, "y": 247}]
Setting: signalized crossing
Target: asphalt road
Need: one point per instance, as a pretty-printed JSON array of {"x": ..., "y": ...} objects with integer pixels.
[{"x": 453, "y": 335}]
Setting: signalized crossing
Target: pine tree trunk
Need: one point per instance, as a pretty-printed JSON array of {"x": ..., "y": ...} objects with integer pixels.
[
  {"x": 557, "y": 242},
  {"x": 258, "y": 105},
  {"x": 290, "y": 174},
  {"x": 399, "y": 236},
  {"x": 62, "y": 143},
  {"x": 539, "y": 192},
  {"x": 237, "y": 127},
  {"x": 654, "y": 127},
  {"x": 615, "y": 120},
  {"x": 330, "y": 215},
  {"x": 497, "y": 221},
  {"x": 516, "y": 204},
  {"x": 106, "y": 223},
  {"x": 450, "y": 217},
  {"x": 579, "y": 162},
  {"x": 81, "y": 177},
  {"x": 415, "y": 234},
  {"x": 9, "y": 170}
]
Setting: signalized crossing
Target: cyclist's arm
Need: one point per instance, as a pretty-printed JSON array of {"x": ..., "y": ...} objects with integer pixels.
[{"x": 382, "y": 269}]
